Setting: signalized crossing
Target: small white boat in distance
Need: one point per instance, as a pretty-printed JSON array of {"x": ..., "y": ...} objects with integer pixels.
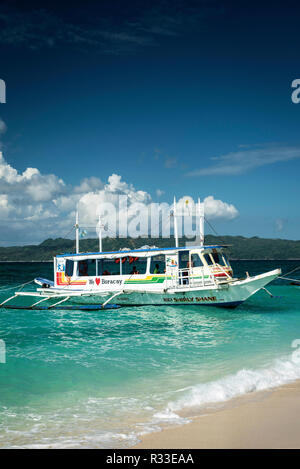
[{"x": 195, "y": 275}]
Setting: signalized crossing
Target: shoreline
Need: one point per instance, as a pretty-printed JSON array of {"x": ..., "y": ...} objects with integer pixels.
[{"x": 264, "y": 419}]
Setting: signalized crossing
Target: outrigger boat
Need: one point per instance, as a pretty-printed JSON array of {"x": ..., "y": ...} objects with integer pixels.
[{"x": 194, "y": 275}]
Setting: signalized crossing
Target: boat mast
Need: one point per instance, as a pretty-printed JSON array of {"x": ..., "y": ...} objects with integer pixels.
[
  {"x": 175, "y": 224},
  {"x": 77, "y": 230},
  {"x": 201, "y": 222},
  {"x": 100, "y": 235}
]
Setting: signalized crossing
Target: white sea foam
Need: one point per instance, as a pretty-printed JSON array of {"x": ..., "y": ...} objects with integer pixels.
[
  {"x": 168, "y": 416},
  {"x": 122, "y": 424},
  {"x": 281, "y": 371}
]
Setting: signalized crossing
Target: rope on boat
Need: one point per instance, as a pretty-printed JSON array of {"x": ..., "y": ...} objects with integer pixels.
[
  {"x": 284, "y": 277},
  {"x": 291, "y": 271},
  {"x": 290, "y": 279}
]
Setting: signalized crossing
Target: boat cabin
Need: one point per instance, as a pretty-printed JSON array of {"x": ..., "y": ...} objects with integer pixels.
[{"x": 179, "y": 266}]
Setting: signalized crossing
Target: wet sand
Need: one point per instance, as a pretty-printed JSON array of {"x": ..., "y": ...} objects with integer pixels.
[{"x": 259, "y": 420}]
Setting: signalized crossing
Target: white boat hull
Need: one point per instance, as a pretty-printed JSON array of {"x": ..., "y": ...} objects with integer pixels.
[{"x": 228, "y": 294}]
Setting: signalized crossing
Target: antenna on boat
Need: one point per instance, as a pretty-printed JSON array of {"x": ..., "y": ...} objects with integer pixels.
[
  {"x": 201, "y": 221},
  {"x": 77, "y": 230},
  {"x": 175, "y": 223}
]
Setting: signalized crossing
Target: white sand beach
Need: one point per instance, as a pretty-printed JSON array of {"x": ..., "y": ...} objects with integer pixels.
[{"x": 260, "y": 420}]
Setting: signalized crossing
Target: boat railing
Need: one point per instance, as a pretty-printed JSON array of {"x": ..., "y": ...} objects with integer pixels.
[{"x": 186, "y": 278}]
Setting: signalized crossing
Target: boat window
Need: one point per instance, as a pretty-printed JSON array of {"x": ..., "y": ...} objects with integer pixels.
[
  {"x": 134, "y": 265},
  {"x": 219, "y": 258},
  {"x": 69, "y": 267},
  {"x": 196, "y": 261},
  {"x": 157, "y": 265},
  {"x": 183, "y": 259},
  {"x": 87, "y": 268},
  {"x": 208, "y": 259},
  {"x": 109, "y": 267},
  {"x": 225, "y": 260},
  {"x": 216, "y": 257}
]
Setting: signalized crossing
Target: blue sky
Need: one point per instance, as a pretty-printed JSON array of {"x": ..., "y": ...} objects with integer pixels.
[{"x": 185, "y": 97}]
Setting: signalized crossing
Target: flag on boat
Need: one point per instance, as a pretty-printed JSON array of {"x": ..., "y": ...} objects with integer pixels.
[{"x": 82, "y": 233}]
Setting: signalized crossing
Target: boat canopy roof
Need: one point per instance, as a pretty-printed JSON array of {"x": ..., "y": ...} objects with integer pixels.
[{"x": 135, "y": 252}]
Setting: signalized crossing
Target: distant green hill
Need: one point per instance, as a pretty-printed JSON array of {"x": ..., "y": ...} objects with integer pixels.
[{"x": 239, "y": 247}]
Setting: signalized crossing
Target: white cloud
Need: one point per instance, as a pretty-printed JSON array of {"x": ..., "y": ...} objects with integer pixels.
[
  {"x": 159, "y": 192},
  {"x": 30, "y": 172},
  {"x": 7, "y": 172},
  {"x": 280, "y": 224},
  {"x": 4, "y": 205},
  {"x": 30, "y": 183},
  {"x": 213, "y": 208},
  {"x": 217, "y": 209},
  {"x": 89, "y": 184},
  {"x": 44, "y": 188},
  {"x": 35, "y": 206},
  {"x": 240, "y": 162}
]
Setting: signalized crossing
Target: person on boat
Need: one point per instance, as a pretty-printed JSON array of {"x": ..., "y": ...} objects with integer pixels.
[
  {"x": 185, "y": 272},
  {"x": 106, "y": 272},
  {"x": 156, "y": 269},
  {"x": 134, "y": 271}
]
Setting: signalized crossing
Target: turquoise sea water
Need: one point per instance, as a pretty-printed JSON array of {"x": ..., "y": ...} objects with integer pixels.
[{"x": 103, "y": 378}]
